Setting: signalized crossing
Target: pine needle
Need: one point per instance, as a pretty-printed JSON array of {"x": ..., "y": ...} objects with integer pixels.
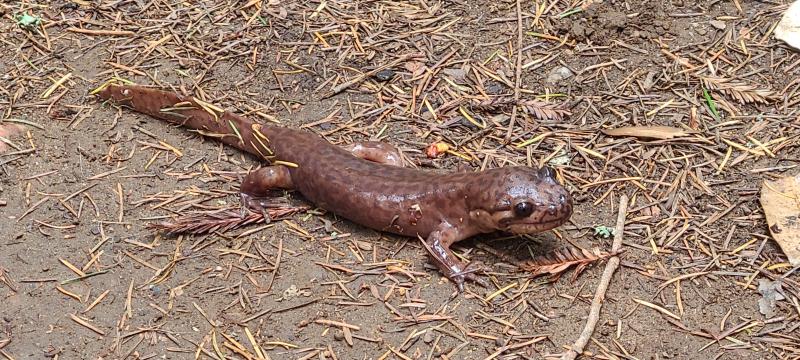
[
  {"x": 739, "y": 90},
  {"x": 560, "y": 260},
  {"x": 221, "y": 220},
  {"x": 539, "y": 109},
  {"x": 6, "y": 280}
]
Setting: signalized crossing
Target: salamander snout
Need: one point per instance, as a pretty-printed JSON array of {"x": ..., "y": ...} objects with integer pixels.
[
  {"x": 561, "y": 202},
  {"x": 557, "y": 205}
]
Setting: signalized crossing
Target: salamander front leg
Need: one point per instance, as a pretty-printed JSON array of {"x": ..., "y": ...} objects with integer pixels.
[
  {"x": 375, "y": 151},
  {"x": 438, "y": 246},
  {"x": 256, "y": 186}
]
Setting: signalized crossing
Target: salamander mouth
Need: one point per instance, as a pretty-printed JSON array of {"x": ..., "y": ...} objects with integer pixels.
[{"x": 534, "y": 227}]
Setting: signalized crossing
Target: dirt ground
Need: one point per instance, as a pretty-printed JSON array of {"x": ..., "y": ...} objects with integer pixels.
[{"x": 82, "y": 276}]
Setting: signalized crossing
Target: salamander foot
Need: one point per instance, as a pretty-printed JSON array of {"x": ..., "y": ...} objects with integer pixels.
[{"x": 469, "y": 273}]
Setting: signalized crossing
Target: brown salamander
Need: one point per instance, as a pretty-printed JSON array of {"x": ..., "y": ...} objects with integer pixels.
[{"x": 366, "y": 182}]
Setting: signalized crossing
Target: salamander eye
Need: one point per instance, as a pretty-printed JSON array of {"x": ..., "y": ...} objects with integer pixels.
[{"x": 523, "y": 209}]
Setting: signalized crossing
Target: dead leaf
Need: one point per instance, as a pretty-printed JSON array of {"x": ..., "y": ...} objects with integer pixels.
[
  {"x": 415, "y": 67},
  {"x": 771, "y": 292},
  {"x": 458, "y": 75},
  {"x": 559, "y": 260},
  {"x": 788, "y": 29},
  {"x": 224, "y": 220},
  {"x": 739, "y": 90},
  {"x": 651, "y": 211},
  {"x": 650, "y": 132},
  {"x": 780, "y": 200},
  {"x": 6, "y": 280},
  {"x": 540, "y": 109}
]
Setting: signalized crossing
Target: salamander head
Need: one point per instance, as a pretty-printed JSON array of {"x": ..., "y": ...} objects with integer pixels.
[{"x": 523, "y": 201}]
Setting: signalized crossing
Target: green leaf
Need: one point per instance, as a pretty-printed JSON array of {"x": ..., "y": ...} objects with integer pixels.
[
  {"x": 569, "y": 12},
  {"x": 711, "y": 104},
  {"x": 604, "y": 231},
  {"x": 27, "y": 21}
]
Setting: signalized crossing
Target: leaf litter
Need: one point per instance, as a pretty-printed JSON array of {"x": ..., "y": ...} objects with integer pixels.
[{"x": 83, "y": 187}]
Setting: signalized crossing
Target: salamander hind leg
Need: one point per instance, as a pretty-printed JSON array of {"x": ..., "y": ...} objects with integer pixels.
[
  {"x": 256, "y": 186},
  {"x": 375, "y": 151},
  {"x": 438, "y": 246}
]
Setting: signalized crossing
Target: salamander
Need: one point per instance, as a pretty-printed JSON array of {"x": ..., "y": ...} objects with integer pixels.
[{"x": 367, "y": 183}]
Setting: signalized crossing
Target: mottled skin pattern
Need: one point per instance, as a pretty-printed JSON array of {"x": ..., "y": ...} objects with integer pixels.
[{"x": 371, "y": 188}]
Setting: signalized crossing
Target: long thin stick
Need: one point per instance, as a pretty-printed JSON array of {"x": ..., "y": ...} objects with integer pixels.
[
  {"x": 600, "y": 294},
  {"x": 517, "y": 73}
]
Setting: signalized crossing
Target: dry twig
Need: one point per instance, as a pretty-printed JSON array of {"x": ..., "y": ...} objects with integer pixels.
[{"x": 599, "y": 295}]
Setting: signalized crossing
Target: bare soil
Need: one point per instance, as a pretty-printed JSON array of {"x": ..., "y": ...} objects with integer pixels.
[{"x": 81, "y": 200}]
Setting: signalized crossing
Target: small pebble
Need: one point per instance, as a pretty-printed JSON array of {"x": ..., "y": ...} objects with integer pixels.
[
  {"x": 428, "y": 337},
  {"x": 558, "y": 75},
  {"x": 720, "y": 25},
  {"x": 385, "y": 75},
  {"x": 701, "y": 30},
  {"x": 463, "y": 121},
  {"x": 498, "y": 341},
  {"x": 493, "y": 88},
  {"x": 459, "y": 75}
]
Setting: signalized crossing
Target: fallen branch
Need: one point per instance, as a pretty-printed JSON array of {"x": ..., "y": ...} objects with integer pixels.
[
  {"x": 517, "y": 73},
  {"x": 600, "y": 294}
]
